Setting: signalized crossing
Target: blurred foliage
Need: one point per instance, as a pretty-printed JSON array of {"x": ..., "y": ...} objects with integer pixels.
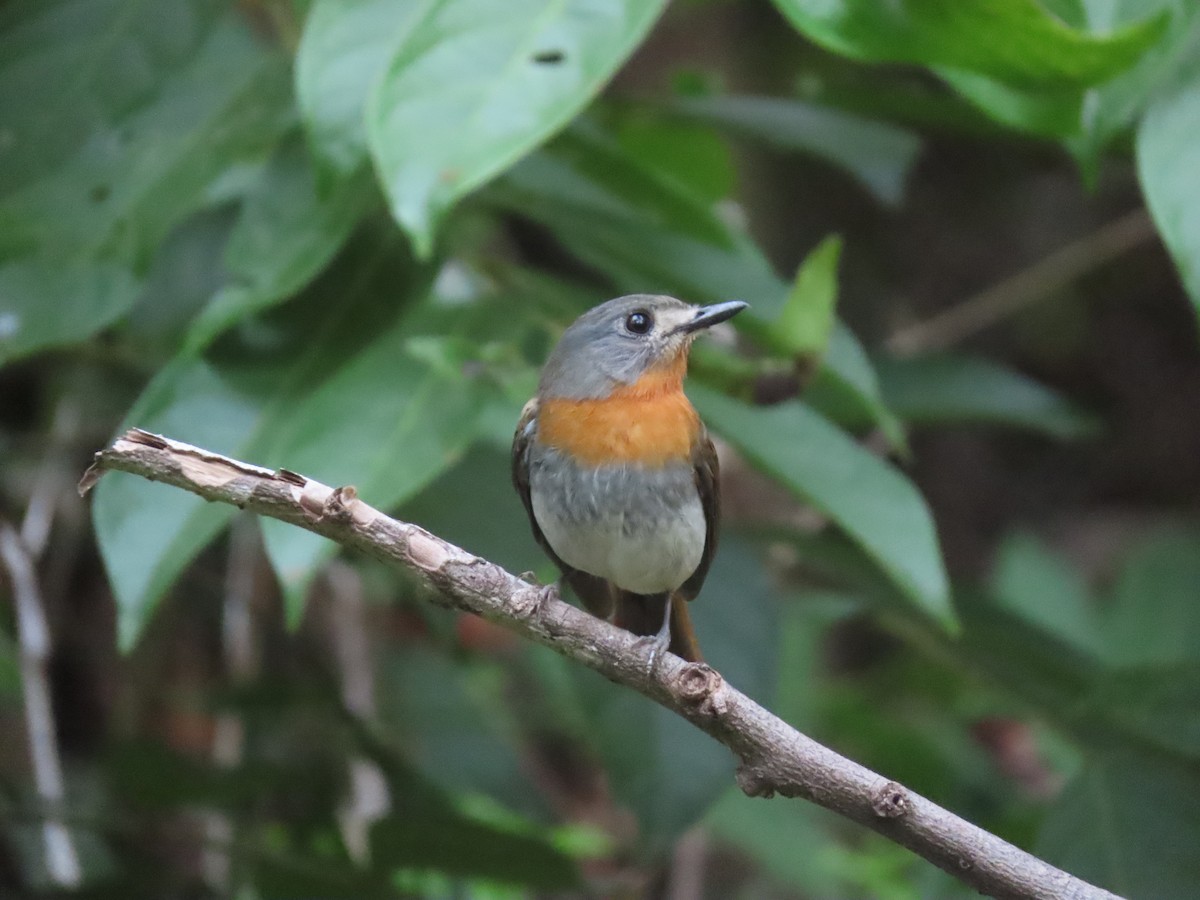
[{"x": 340, "y": 236}]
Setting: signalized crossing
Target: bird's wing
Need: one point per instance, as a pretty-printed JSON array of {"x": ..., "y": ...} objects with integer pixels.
[
  {"x": 597, "y": 594},
  {"x": 706, "y": 470},
  {"x": 526, "y": 426}
]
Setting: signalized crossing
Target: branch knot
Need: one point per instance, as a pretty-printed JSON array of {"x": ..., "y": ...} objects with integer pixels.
[
  {"x": 890, "y": 801},
  {"x": 698, "y": 683}
]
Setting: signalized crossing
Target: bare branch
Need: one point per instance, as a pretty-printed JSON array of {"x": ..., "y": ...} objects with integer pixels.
[
  {"x": 773, "y": 758},
  {"x": 241, "y": 665},
  {"x": 1047, "y": 275},
  {"x": 62, "y": 862}
]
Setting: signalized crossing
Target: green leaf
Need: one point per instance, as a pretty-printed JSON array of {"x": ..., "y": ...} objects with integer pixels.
[
  {"x": 1014, "y": 41},
  {"x": 1127, "y": 823},
  {"x": 687, "y": 152},
  {"x": 1114, "y": 106},
  {"x": 453, "y": 718},
  {"x": 935, "y": 390},
  {"x": 1152, "y": 617},
  {"x": 1044, "y": 590},
  {"x": 1046, "y": 112},
  {"x": 118, "y": 123},
  {"x": 470, "y": 849},
  {"x": 119, "y": 170},
  {"x": 1168, "y": 158},
  {"x": 345, "y": 48},
  {"x": 874, "y": 504},
  {"x": 482, "y": 84},
  {"x": 769, "y": 831},
  {"x": 877, "y": 154},
  {"x": 450, "y": 718},
  {"x": 1159, "y": 705},
  {"x": 288, "y": 230},
  {"x": 44, "y": 303},
  {"x": 846, "y": 389},
  {"x": 808, "y": 318},
  {"x": 148, "y": 532},
  {"x": 182, "y": 277},
  {"x": 1030, "y": 662},
  {"x": 239, "y": 401},
  {"x": 389, "y": 421}
]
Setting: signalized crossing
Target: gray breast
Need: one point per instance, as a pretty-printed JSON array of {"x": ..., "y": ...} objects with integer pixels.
[{"x": 642, "y": 528}]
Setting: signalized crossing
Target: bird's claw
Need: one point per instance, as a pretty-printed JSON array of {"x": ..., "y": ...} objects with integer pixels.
[
  {"x": 530, "y": 602},
  {"x": 657, "y": 645}
]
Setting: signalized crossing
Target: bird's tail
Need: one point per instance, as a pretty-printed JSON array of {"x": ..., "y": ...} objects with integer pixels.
[{"x": 643, "y": 614}]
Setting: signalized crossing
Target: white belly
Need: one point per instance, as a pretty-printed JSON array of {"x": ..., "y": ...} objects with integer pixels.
[{"x": 646, "y": 554}]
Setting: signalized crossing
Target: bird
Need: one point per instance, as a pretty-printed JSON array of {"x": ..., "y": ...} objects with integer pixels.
[{"x": 617, "y": 472}]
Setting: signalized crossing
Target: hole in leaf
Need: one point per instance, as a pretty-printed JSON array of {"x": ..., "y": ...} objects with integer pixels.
[{"x": 549, "y": 57}]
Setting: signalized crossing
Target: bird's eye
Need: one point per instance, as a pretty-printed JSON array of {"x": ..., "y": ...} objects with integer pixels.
[{"x": 639, "y": 322}]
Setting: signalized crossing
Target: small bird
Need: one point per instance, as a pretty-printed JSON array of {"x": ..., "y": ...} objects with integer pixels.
[{"x": 616, "y": 470}]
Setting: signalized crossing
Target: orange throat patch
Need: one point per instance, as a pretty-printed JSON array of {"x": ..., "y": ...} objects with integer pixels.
[{"x": 649, "y": 422}]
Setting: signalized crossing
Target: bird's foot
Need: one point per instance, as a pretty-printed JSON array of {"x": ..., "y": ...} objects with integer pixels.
[
  {"x": 530, "y": 602},
  {"x": 658, "y": 643},
  {"x": 657, "y": 646}
]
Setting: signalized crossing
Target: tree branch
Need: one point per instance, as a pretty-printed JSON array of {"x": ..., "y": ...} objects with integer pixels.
[
  {"x": 61, "y": 858},
  {"x": 1005, "y": 298},
  {"x": 773, "y": 758}
]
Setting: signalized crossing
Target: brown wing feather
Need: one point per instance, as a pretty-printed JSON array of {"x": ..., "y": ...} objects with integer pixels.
[
  {"x": 597, "y": 594},
  {"x": 707, "y": 473}
]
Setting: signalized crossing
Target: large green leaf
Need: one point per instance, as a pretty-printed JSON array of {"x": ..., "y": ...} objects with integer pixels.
[
  {"x": 935, "y": 390},
  {"x": 147, "y": 532},
  {"x": 1042, "y": 588},
  {"x": 1159, "y": 706},
  {"x": 475, "y": 85},
  {"x": 448, "y": 718},
  {"x": 879, "y": 155},
  {"x": 55, "y": 54},
  {"x": 1014, "y": 41},
  {"x": 129, "y": 169},
  {"x": 119, "y": 117},
  {"x": 237, "y": 401},
  {"x": 287, "y": 231},
  {"x": 642, "y": 232},
  {"x": 769, "y": 831},
  {"x": 345, "y": 48},
  {"x": 1152, "y": 617},
  {"x": 1045, "y": 112},
  {"x": 1113, "y": 106},
  {"x": 44, "y": 303},
  {"x": 389, "y": 421},
  {"x": 873, "y": 503},
  {"x": 1128, "y": 823},
  {"x": 1168, "y": 158}
]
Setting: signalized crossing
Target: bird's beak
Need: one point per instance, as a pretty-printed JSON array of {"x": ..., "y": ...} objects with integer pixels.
[{"x": 707, "y": 316}]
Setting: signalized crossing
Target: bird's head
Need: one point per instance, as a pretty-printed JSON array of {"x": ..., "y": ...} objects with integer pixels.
[{"x": 618, "y": 342}]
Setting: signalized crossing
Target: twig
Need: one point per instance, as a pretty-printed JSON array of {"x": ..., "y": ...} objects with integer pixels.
[
  {"x": 241, "y": 665},
  {"x": 1013, "y": 294},
  {"x": 51, "y": 481},
  {"x": 368, "y": 799},
  {"x": 773, "y": 758},
  {"x": 62, "y": 861},
  {"x": 685, "y": 879}
]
